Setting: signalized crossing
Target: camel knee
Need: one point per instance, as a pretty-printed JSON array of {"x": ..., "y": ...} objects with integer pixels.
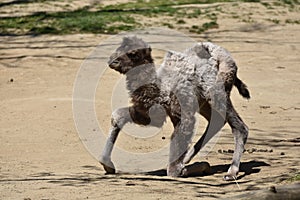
[
  {"x": 241, "y": 132},
  {"x": 120, "y": 117}
]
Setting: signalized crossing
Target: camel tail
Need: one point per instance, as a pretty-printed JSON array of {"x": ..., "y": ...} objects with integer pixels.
[{"x": 242, "y": 88}]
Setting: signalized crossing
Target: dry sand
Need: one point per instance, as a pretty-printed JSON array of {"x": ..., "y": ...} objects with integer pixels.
[{"x": 42, "y": 156}]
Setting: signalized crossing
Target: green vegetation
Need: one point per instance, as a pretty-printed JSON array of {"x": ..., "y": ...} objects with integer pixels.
[
  {"x": 275, "y": 21},
  {"x": 119, "y": 17},
  {"x": 291, "y": 2},
  {"x": 295, "y": 178},
  {"x": 267, "y": 5},
  {"x": 168, "y": 25},
  {"x": 206, "y": 26},
  {"x": 22, "y": 2},
  {"x": 181, "y": 21},
  {"x": 82, "y": 21},
  {"x": 196, "y": 13},
  {"x": 289, "y": 21},
  {"x": 150, "y": 4},
  {"x": 109, "y": 19}
]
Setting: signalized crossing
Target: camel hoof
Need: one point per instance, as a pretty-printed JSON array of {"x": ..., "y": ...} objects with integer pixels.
[
  {"x": 108, "y": 166},
  {"x": 175, "y": 170},
  {"x": 109, "y": 170},
  {"x": 229, "y": 177}
]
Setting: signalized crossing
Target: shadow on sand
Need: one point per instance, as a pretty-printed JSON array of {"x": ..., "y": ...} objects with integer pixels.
[
  {"x": 246, "y": 168},
  {"x": 82, "y": 179}
]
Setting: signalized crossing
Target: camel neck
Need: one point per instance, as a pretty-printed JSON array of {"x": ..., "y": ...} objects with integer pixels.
[{"x": 140, "y": 76}]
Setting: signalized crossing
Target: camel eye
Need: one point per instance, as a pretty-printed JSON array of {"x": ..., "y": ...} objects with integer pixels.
[{"x": 133, "y": 55}]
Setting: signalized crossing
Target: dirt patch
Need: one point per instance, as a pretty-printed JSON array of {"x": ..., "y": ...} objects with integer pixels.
[{"x": 42, "y": 156}]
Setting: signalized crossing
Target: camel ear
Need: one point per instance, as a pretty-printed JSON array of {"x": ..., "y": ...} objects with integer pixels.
[
  {"x": 169, "y": 54},
  {"x": 148, "y": 51},
  {"x": 126, "y": 40}
]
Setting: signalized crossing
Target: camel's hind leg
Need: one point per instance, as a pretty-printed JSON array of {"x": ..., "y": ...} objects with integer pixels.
[
  {"x": 215, "y": 123},
  {"x": 240, "y": 133},
  {"x": 214, "y": 112}
]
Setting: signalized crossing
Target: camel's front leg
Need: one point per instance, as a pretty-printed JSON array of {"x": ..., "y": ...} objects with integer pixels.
[
  {"x": 119, "y": 118},
  {"x": 180, "y": 140}
]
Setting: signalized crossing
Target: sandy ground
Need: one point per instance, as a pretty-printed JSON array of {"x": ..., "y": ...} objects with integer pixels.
[{"x": 42, "y": 156}]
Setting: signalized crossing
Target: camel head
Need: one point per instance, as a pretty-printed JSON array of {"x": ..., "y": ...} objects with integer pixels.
[{"x": 131, "y": 53}]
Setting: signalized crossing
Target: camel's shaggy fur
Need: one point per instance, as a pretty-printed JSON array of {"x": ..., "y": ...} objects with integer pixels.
[{"x": 197, "y": 80}]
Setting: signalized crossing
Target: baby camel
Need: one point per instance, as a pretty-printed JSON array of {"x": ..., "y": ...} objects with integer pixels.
[{"x": 197, "y": 80}]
